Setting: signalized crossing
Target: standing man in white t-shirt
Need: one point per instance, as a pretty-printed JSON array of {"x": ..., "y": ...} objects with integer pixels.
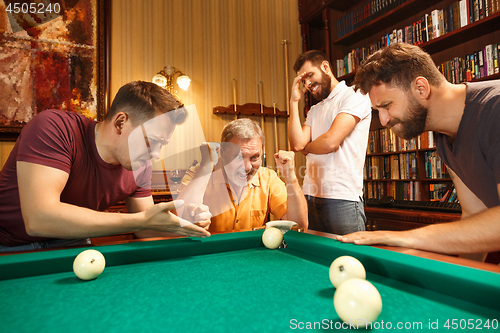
[{"x": 334, "y": 139}]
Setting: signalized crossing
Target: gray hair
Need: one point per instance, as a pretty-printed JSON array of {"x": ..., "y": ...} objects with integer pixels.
[{"x": 243, "y": 128}]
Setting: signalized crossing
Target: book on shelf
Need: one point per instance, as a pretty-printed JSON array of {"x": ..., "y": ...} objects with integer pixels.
[
  {"x": 464, "y": 17},
  {"x": 472, "y": 67},
  {"x": 400, "y": 35},
  {"x": 449, "y": 25},
  {"x": 430, "y": 30},
  {"x": 441, "y": 22},
  {"x": 476, "y": 65},
  {"x": 475, "y": 8},
  {"x": 495, "y": 48},
  {"x": 456, "y": 15},
  {"x": 418, "y": 28},
  {"x": 425, "y": 31},
  {"x": 435, "y": 24},
  {"x": 453, "y": 196},
  {"x": 488, "y": 51},
  {"x": 418, "y": 192}
]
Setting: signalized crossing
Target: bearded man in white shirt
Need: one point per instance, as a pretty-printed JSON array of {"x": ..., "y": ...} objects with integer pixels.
[{"x": 333, "y": 137}]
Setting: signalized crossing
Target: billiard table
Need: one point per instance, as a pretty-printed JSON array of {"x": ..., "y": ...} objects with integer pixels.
[{"x": 231, "y": 283}]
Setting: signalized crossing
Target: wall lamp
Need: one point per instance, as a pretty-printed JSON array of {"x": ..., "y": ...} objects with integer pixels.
[{"x": 165, "y": 79}]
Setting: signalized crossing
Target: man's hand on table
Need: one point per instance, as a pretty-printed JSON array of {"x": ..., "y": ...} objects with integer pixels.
[
  {"x": 160, "y": 218},
  {"x": 389, "y": 238}
]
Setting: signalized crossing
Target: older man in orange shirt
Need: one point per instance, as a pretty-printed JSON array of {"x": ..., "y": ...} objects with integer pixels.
[{"x": 239, "y": 193}]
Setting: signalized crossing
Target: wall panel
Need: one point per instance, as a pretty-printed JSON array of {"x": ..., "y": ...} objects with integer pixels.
[{"x": 213, "y": 42}]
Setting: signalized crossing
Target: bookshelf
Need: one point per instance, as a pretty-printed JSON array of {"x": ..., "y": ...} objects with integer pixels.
[
  {"x": 320, "y": 29},
  {"x": 323, "y": 27},
  {"x": 404, "y": 169}
]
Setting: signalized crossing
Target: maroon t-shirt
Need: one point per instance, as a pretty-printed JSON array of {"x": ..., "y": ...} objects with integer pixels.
[{"x": 65, "y": 141}]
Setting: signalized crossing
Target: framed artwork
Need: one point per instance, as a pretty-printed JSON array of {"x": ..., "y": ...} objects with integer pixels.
[{"x": 54, "y": 54}]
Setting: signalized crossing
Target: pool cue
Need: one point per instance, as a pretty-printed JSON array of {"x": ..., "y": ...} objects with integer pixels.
[
  {"x": 285, "y": 44},
  {"x": 234, "y": 97},
  {"x": 275, "y": 122},
  {"x": 262, "y": 124},
  {"x": 275, "y": 129}
]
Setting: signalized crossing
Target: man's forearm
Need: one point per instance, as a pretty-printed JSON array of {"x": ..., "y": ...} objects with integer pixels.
[
  {"x": 296, "y": 202},
  {"x": 321, "y": 146},
  {"x": 195, "y": 190},
  {"x": 295, "y": 133},
  {"x": 66, "y": 221},
  {"x": 475, "y": 234}
]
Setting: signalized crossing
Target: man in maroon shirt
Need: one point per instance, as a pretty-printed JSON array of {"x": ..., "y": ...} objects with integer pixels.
[{"x": 66, "y": 169}]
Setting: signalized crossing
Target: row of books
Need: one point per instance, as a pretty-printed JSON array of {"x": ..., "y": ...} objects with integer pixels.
[
  {"x": 404, "y": 166},
  {"x": 443, "y": 193},
  {"x": 468, "y": 67},
  {"x": 429, "y": 26},
  {"x": 410, "y": 191},
  {"x": 434, "y": 166},
  {"x": 401, "y": 166},
  {"x": 365, "y": 12},
  {"x": 449, "y": 195},
  {"x": 398, "y": 190},
  {"x": 472, "y": 66},
  {"x": 442, "y": 21},
  {"x": 437, "y": 192},
  {"x": 384, "y": 140},
  {"x": 350, "y": 63}
]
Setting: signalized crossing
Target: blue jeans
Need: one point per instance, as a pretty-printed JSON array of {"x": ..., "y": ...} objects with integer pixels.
[
  {"x": 45, "y": 245},
  {"x": 335, "y": 216}
]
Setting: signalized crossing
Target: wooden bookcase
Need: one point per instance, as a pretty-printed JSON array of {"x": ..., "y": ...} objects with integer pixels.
[
  {"x": 318, "y": 19},
  {"x": 416, "y": 174}
]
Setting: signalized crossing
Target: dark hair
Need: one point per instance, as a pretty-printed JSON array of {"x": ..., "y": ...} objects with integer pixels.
[
  {"x": 314, "y": 56},
  {"x": 142, "y": 101},
  {"x": 397, "y": 65},
  {"x": 243, "y": 128}
]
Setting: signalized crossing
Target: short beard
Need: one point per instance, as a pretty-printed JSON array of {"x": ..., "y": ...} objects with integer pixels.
[
  {"x": 326, "y": 85},
  {"x": 415, "y": 124}
]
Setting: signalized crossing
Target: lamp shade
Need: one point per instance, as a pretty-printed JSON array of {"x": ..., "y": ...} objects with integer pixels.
[
  {"x": 183, "y": 82},
  {"x": 160, "y": 80}
]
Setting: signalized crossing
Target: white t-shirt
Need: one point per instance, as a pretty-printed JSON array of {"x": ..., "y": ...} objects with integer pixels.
[{"x": 338, "y": 175}]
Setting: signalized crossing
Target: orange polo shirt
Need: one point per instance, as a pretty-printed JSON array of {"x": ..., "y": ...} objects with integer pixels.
[{"x": 266, "y": 193}]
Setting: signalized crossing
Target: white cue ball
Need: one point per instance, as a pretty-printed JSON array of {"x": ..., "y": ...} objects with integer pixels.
[
  {"x": 89, "y": 264},
  {"x": 357, "y": 302},
  {"x": 345, "y": 268},
  {"x": 272, "y": 238}
]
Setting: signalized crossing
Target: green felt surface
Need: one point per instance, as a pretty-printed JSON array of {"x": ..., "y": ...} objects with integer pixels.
[{"x": 242, "y": 288}]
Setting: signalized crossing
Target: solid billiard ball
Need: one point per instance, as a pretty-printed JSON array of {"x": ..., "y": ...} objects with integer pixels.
[
  {"x": 345, "y": 268},
  {"x": 272, "y": 238},
  {"x": 89, "y": 264},
  {"x": 357, "y": 302}
]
